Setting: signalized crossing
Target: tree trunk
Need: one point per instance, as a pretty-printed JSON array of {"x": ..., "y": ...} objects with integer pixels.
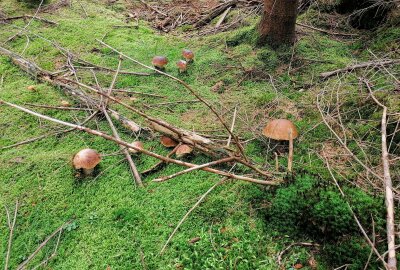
[{"x": 277, "y": 26}]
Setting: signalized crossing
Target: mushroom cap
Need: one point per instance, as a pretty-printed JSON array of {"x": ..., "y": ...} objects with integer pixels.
[
  {"x": 168, "y": 142},
  {"x": 65, "y": 103},
  {"x": 159, "y": 61},
  {"x": 137, "y": 144},
  {"x": 187, "y": 54},
  {"x": 278, "y": 129},
  {"x": 86, "y": 159},
  {"x": 181, "y": 64},
  {"x": 183, "y": 150}
]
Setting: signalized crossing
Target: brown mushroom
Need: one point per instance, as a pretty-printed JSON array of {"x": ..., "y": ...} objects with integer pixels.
[
  {"x": 188, "y": 55},
  {"x": 182, "y": 66},
  {"x": 183, "y": 150},
  {"x": 31, "y": 88},
  {"x": 136, "y": 144},
  {"x": 159, "y": 62},
  {"x": 282, "y": 130},
  {"x": 65, "y": 103},
  {"x": 87, "y": 160},
  {"x": 168, "y": 142}
]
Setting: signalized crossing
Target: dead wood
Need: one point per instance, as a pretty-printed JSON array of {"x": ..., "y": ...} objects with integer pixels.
[
  {"x": 144, "y": 151},
  {"x": 191, "y": 90},
  {"x": 160, "y": 164},
  {"x": 45, "y": 76},
  {"x": 377, "y": 63},
  {"x": 58, "y": 230},
  {"x": 387, "y": 180},
  {"x": 215, "y": 12},
  {"x": 11, "y": 227},
  {"x": 24, "y": 17}
]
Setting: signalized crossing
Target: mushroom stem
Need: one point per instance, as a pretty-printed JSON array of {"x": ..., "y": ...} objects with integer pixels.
[
  {"x": 276, "y": 162},
  {"x": 88, "y": 172},
  {"x": 290, "y": 159}
]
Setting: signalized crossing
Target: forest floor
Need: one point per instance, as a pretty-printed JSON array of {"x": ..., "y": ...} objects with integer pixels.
[{"x": 116, "y": 225}]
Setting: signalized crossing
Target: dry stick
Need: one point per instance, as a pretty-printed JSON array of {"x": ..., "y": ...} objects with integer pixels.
[
  {"x": 276, "y": 162},
  {"x": 325, "y": 31},
  {"x": 390, "y": 224},
  {"x": 11, "y": 226},
  {"x": 328, "y": 74},
  {"x": 59, "y": 229},
  {"x": 28, "y": 17},
  {"x": 48, "y": 135},
  {"x": 343, "y": 144},
  {"x": 223, "y": 160},
  {"x": 161, "y": 162},
  {"x": 146, "y": 152},
  {"x": 240, "y": 147},
  {"x": 125, "y": 151},
  {"x": 354, "y": 215},
  {"x": 57, "y": 107},
  {"x": 188, "y": 213},
  {"x": 45, "y": 261},
  {"x": 153, "y": 8},
  {"x": 223, "y": 16},
  {"x": 232, "y": 127},
  {"x": 138, "y": 93}
]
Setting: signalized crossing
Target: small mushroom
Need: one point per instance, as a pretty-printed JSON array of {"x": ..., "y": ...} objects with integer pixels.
[
  {"x": 282, "y": 130},
  {"x": 159, "y": 62},
  {"x": 65, "y": 103},
  {"x": 182, "y": 66},
  {"x": 31, "y": 88},
  {"x": 183, "y": 150},
  {"x": 188, "y": 55},
  {"x": 87, "y": 160},
  {"x": 136, "y": 144},
  {"x": 168, "y": 142}
]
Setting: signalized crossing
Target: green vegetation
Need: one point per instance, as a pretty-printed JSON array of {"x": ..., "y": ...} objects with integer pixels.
[{"x": 240, "y": 226}]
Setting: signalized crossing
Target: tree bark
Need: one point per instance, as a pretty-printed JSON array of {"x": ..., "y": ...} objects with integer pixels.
[{"x": 277, "y": 26}]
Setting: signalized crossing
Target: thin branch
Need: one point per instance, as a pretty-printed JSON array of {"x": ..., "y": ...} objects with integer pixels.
[
  {"x": 188, "y": 213},
  {"x": 11, "y": 226},
  {"x": 59, "y": 229},
  {"x": 144, "y": 151},
  {"x": 223, "y": 160}
]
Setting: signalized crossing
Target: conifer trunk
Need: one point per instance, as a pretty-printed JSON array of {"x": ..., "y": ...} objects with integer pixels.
[{"x": 277, "y": 26}]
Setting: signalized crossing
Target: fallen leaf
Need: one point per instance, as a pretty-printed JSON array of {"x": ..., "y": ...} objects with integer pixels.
[{"x": 194, "y": 240}]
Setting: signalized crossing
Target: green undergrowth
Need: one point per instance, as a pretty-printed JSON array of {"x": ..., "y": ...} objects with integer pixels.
[{"x": 239, "y": 225}]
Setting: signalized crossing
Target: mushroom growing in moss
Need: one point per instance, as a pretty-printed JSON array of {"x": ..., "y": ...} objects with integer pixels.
[
  {"x": 182, "y": 66},
  {"x": 282, "y": 130},
  {"x": 159, "y": 62},
  {"x": 87, "y": 160},
  {"x": 183, "y": 150},
  {"x": 188, "y": 55}
]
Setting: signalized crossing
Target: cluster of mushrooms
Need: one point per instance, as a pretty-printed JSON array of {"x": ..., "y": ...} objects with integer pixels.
[
  {"x": 159, "y": 62},
  {"x": 279, "y": 130},
  {"x": 87, "y": 159}
]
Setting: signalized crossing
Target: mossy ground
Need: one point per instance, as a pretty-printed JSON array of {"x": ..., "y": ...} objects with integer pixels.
[{"x": 118, "y": 225}]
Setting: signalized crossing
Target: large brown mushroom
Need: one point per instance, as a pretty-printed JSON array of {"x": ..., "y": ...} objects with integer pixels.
[
  {"x": 188, "y": 55},
  {"x": 168, "y": 142},
  {"x": 282, "y": 130},
  {"x": 87, "y": 160},
  {"x": 159, "y": 62}
]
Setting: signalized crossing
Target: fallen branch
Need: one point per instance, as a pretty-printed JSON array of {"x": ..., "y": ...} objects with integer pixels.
[
  {"x": 223, "y": 160},
  {"x": 11, "y": 226},
  {"x": 28, "y": 17},
  {"x": 191, "y": 90},
  {"x": 188, "y": 213},
  {"x": 215, "y": 12},
  {"x": 304, "y": 244},
  {"x": 24, "y": 263},
  {"x": 328, "y": 74},
  {"x": 159, "y": 164},
  {"x": 144, "y": 151},
  {"x": 325, "y": 31},
  {"x": 387, "y": 180}
]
